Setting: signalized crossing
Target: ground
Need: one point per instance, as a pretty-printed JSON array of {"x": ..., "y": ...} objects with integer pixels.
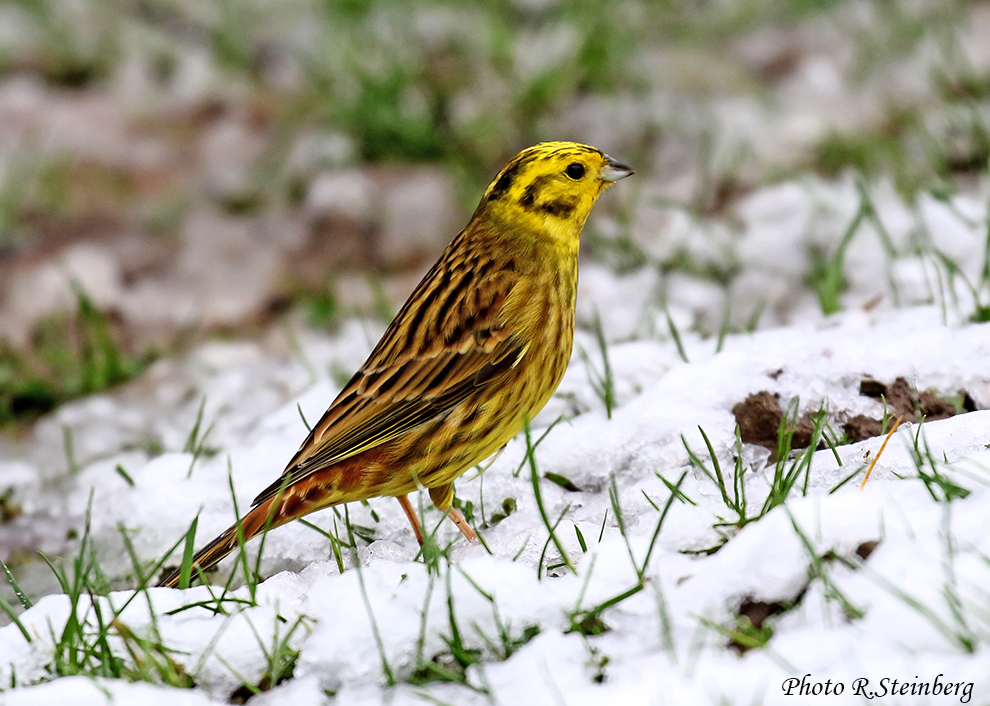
[{"x": 799, "y": 266}]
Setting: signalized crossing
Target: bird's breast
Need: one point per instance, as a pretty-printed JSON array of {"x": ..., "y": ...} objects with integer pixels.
[{"x": 545, "y": 329}]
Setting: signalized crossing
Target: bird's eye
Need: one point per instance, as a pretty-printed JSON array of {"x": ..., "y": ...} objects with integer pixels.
[{"x": 575, "y": 170}]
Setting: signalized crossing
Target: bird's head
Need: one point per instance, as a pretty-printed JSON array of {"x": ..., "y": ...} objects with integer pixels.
[{"x": 550, "y": 188}]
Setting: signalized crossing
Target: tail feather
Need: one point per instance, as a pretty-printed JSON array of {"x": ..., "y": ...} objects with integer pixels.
[
  {"x": 252, "y": 524},
  {"x": 293, "y": 499}
]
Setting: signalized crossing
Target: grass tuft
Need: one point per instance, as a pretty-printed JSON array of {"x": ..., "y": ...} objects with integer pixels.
[
  {"x": 602, "y": 382},
  {"x": 71, "y": 358},
  {"x": 538, "y": 494}
]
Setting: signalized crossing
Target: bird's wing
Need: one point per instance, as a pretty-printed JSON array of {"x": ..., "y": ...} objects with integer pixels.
[{"x": 414, "y": 375}]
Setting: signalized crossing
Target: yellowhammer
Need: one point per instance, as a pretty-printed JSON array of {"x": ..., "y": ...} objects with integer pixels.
[{"x": 480, "y": 345}]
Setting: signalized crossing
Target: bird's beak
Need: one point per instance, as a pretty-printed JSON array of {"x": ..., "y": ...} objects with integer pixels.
[{"x": 613, "y": 171}]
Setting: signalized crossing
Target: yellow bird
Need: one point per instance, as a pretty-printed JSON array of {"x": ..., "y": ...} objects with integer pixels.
[{"x": 480, "y": 345}]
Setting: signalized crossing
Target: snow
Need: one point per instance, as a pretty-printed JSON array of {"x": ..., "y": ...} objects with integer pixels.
[{"x": 916, "y": 608}]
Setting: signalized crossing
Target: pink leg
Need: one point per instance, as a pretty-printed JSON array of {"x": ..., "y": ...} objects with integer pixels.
[{"x": 413, "y": 519}]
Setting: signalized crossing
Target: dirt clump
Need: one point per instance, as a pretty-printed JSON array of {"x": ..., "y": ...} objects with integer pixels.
[
  {"x": 902, "y": 399},
  {"x": 756, "y": 613},
  {"x": 759, "y": 417}
]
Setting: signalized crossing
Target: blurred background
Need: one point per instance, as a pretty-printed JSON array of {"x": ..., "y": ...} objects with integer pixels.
[{"x": 176, "y": 170}]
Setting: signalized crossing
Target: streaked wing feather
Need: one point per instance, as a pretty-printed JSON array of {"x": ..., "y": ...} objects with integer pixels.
[
  {"x": 381, "y": 403},
  {"x": 387, "y": 419},
  {"x": 399, "y": 417}
]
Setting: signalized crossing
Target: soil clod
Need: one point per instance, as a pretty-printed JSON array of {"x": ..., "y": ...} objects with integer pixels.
[
  {"x": 759, "y": 418},
  {"x": 864, "y": 550},
  {"x": 902, "y": 398}
]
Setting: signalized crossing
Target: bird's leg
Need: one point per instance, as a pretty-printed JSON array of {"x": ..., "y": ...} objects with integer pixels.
[
  {"x": 413, "y": 519},
  {"x": 454, "y": 514},
  {"x": 443, "y": 497}
]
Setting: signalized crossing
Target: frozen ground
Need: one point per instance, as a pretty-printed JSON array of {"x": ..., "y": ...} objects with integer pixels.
[{"x": 644, "y": 616}]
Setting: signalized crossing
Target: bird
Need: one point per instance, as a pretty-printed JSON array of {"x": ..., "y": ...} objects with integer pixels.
[{"x": 478, "y": 349}]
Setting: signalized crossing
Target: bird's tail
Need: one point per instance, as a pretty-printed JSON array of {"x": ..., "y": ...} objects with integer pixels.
[{"x": 259, "y": 519}]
